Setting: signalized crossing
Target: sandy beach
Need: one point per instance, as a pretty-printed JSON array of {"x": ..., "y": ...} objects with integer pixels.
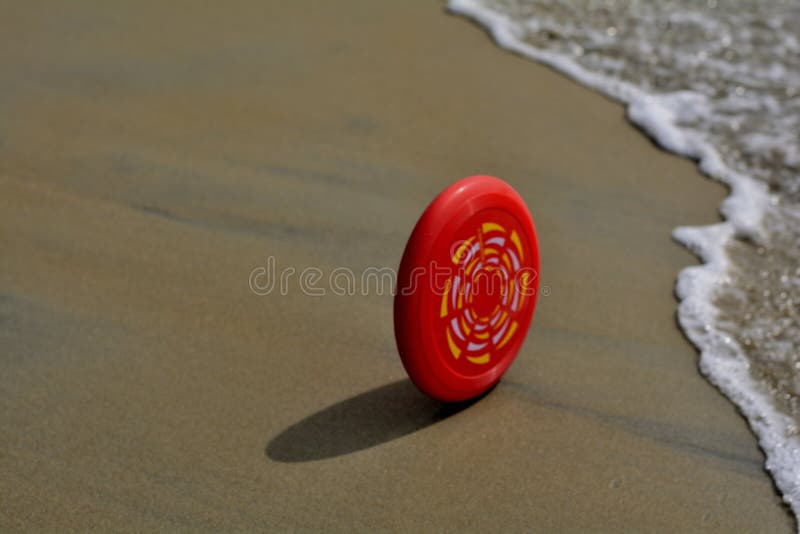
[{"x": 152, "y": 156}]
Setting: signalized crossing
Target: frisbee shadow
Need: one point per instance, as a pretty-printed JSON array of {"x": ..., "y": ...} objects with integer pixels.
[{"x": 366, "y": 420}]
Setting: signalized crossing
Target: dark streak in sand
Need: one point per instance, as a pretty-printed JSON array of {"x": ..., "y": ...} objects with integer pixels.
[
  {"x": 663, "y": 433},
  {"x": 317, "y": 176},
  {"x": 238, "y": 225}
]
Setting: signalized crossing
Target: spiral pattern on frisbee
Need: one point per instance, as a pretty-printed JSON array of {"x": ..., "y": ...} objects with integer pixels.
[{"x": 485, "y": 294}]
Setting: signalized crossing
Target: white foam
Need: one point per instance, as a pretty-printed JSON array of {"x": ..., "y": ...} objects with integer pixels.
[{"x": 665, "y": 118}]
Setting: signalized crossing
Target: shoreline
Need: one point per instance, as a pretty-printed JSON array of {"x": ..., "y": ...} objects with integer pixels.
[
  {"x": 146, "y": 387},
  {"x": 742, "y": 211}
]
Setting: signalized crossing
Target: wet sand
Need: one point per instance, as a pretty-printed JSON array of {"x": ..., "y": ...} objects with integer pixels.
[{"x": 151, "y": 157}]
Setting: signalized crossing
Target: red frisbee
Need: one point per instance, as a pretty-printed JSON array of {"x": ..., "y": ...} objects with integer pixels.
[{"x": 466, "y": 288}]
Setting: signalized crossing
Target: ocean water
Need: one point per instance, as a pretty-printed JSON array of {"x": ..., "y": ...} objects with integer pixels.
[{"x": 719, "y": 82}]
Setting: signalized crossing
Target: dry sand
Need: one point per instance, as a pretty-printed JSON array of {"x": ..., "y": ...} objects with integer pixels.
[{"x": 151, "y": 157}]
